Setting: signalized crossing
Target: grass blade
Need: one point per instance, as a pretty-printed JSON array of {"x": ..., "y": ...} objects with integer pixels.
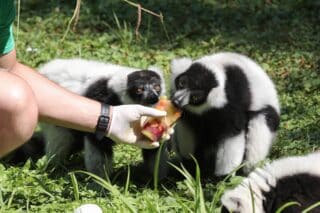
[
  {"x": 1, "y": 199},
  {"x": 11, "y": 199},
  {"x": 117, "y": 21},
  {"x": 252, "y": 199},
  {"x": 156, "y": 168},
  {"x": 27, "y": 205},
  {"x": 199, "y": 197},
  {"x": 126, "y": 188},
  {"x": 311, "y": 207},
  {"x": 286, "y": 205},
  {"x": 75, "y": 186}
]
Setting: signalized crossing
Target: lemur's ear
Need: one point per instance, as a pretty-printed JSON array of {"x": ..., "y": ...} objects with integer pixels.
[{"x": 160, "y": 73}]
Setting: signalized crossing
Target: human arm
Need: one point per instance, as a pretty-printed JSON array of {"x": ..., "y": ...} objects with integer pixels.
[{"x": 58, "y": 106}]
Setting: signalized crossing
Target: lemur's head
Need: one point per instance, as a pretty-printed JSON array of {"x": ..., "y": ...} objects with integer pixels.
[
  {"x": 197, "y": 85},
  {"x": 144, "y": 87}
]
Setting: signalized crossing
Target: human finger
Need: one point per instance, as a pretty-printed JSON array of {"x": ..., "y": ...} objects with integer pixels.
[
  {"x": 148, "y": 111},
  {"x": 146, "y": 144},
  {"x": 165, "y": 136},
  {"x": 170, "y": 131}
]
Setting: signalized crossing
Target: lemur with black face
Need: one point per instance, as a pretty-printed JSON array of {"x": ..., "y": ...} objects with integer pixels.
[
  {"x": 266, "y": 189},
  {"x": 107, "y": 83},
  {"x": 230, "y": 112}
]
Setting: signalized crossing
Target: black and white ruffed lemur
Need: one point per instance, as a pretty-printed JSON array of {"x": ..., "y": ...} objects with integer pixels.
[{"x": 107, "y": 83}]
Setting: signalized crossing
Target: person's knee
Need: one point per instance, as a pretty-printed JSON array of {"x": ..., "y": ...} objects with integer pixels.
[
  {"x": 18, "y": 107},
  {"x": 15, "y": 95}
]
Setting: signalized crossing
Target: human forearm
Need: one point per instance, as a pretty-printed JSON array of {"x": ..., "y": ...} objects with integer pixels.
[{"x": 57, "y": 105}]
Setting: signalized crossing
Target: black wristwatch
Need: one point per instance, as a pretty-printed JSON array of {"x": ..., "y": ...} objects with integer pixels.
[{"x": 103, "y": 121}]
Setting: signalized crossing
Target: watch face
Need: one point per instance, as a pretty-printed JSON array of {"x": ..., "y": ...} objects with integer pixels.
[{"x": 103, "y": 122}]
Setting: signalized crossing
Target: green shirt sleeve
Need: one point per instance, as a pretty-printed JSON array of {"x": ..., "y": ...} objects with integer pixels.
[{"x": 7, "y": 15}]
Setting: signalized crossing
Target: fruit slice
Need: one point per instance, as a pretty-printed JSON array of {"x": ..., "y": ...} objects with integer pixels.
[{"x": 154, "y": 128}]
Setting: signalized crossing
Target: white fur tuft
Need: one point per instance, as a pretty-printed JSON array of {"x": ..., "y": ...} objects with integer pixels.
[
  {"x": 161, "y": 74},
  {"x": 178, "y": 66}
]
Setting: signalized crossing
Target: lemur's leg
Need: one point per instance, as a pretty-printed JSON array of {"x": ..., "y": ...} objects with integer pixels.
[
  {"x": 261, "y": 133},
  {"x": 60, "y": 142},
  {"x": 98, "y": 155},
  {"x": 230, "y": 154}
]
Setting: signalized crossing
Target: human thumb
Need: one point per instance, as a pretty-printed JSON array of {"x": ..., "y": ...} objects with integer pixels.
[{"x": 148, "y": 111}]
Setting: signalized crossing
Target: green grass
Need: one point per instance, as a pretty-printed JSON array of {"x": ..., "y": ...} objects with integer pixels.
[{"x": 283, "y": 37}]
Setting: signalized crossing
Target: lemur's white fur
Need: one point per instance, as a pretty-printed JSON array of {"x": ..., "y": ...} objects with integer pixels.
[
  {"x": 259, "y": 138},
  {"x": 76, "y": 75},
  {"x": 178, "y": 66},
  {"x": 230, "y": 154},
  {"x": 262, "y": 179},
  {"x": 258, "y": 141}
]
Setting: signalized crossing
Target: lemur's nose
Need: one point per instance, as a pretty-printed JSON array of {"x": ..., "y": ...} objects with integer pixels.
[
  {"x": 176, "y": 101},
  {"x": 152, "y": 99},
  {"x": 180, "y": 98}
]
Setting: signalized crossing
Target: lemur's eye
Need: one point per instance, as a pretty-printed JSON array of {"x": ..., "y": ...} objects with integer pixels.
[
  {"x": 139, "y": 90},
  {"x": 157, "y": 88},
  {"x": 183, "y": 82},
  {"x": 194, "y": 98}
]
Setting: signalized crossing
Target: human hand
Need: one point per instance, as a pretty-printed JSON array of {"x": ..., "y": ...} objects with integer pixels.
[{"x": 126, "y": 127}]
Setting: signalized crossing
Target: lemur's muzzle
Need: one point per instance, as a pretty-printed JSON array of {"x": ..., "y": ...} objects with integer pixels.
[{"x": 180, "y": 98}]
